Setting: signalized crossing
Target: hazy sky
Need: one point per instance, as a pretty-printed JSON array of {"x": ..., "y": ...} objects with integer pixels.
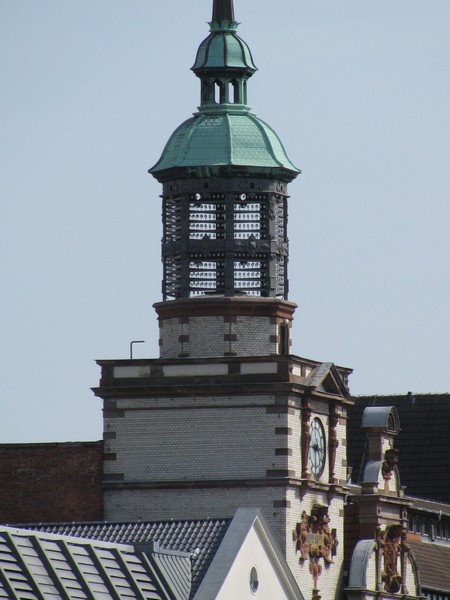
[{"x": 359, "y": 92}]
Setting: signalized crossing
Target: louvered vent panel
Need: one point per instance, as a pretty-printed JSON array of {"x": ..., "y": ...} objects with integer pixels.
[
  {"x": 56, "y": 554},
  {"x": 115, "y": 573},
  {"x": 90, "y": 572},
  {"x": 12, "y": 571},
  {"x": 141, "y": 577},
  {"x": 35, "y": 566}
]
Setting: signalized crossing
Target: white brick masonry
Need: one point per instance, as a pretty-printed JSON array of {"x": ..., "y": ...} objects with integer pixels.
[
  {"x": 133, "y": 505},
  {"x": 210, "y": 336},
  {"x": 227, "y": 442},
  {"x": 155, "y": 505},
  {"x": 162, "y": 448},
  {"x": 330, "y": 581}
]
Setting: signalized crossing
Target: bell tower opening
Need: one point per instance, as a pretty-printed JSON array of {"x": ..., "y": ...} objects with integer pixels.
[{"x": 228, "y": 241}]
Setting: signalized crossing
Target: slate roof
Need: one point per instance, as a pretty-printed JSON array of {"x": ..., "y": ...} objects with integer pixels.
[
  {"x": 36, "y": 565},
  {"x": 423, "y": 442},
  {"x": 200, "y": 538},
  {"x": 433, "y": 560}
]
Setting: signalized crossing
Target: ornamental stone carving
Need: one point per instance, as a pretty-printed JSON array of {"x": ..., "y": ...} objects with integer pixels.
[
  {"x": 391, "y": 544},
  {"x": 333, "y": 443},
  {"x": 315, "y": 540},
  {"x": 306, "y": 438},
  {"x": 388, "y": 466}
]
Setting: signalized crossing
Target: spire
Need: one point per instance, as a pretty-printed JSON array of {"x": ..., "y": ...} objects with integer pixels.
[{"x": 223, "y": 10}]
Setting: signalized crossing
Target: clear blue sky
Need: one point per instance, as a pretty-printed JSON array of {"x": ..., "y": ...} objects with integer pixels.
[{"x": 359, "y": 92}]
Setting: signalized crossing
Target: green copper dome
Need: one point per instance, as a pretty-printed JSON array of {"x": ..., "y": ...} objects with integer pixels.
[
  {"x": 223, "y": 49},
  {"x": 225, "y": 139},
  {"x": 224, "y": 133}
]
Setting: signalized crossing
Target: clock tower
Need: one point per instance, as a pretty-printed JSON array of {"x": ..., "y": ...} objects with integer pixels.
[{"x": 227, "y": 416}]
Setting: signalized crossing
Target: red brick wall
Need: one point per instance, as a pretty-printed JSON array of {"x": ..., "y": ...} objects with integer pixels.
[{"x": 42, "y": 483}]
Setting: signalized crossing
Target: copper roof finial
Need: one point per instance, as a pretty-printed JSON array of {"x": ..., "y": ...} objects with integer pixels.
[{"x": 223, "y": 10}]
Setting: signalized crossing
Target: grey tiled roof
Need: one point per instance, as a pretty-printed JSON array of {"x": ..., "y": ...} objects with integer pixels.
[
  {"x": 200, "y": 538},
  {"x": 36, "y": 565},
  {"x": 433, "y": 560},
  {"x": 423, "y": 442}
]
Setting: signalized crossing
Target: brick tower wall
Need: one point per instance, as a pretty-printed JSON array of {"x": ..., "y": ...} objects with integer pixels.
[{"x": 42, "y": 483}]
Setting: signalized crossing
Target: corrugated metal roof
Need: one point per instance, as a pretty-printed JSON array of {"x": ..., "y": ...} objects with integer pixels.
[
  {"x": 199, "y": 538},
  {"x": 37, "y": 566}
]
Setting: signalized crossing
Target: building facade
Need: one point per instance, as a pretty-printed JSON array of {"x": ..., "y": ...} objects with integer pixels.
[{"x": 226, "y": 416}]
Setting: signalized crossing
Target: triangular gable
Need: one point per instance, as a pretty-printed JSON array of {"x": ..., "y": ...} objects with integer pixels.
[
  {"x": 248, "y": 556},
  {"x": 326, "y": 379}
]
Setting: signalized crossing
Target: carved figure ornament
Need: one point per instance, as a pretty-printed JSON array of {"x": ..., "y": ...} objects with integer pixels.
[
  {"x": 391, "y": 543},
  {"x": 315, "y": 540}
]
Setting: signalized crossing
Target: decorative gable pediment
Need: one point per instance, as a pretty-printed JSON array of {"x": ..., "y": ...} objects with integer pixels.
[
  {"x": 248, "y": 564},
  {"x": 326, "y": 379}
]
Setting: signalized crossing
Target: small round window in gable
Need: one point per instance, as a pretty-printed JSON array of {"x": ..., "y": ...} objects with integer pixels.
[{"x": 254, "y": 581}]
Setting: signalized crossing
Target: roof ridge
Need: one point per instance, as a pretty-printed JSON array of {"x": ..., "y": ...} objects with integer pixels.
[{"x": 400, "y": 394}]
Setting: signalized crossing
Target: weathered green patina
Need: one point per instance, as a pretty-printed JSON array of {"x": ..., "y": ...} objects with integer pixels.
[
  {"x": 224, "y": 49},
  {"x": 228, "y": 138},
  {"x": 224, "y": 133},
  {"x": 225, "y": 178}
]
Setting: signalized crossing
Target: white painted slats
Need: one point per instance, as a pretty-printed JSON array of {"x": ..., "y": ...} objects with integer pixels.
[{"x": 36, "y": 566}]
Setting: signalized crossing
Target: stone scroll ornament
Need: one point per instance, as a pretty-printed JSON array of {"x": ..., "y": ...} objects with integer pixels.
[
  {"x": 391, "y": 543},
  {"x": 315, "y": 541}
]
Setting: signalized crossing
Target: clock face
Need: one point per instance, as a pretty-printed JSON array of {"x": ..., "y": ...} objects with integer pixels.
[{"x": 317, "y": 448}]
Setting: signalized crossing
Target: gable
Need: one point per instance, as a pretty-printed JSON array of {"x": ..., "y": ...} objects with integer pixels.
[
  {"x": 248, "y": 562},
  {"x": 254, "y": 566},
  {"x": 326, "y": 379}
]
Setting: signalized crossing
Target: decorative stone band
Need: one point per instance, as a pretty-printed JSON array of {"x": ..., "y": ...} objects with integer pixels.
[{"x": 221, "y": 306}]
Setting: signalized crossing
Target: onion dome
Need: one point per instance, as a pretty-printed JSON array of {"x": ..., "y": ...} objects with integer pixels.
[
  {"x": 223, "y": 49},
  {"x": 224, "y": 135}
]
